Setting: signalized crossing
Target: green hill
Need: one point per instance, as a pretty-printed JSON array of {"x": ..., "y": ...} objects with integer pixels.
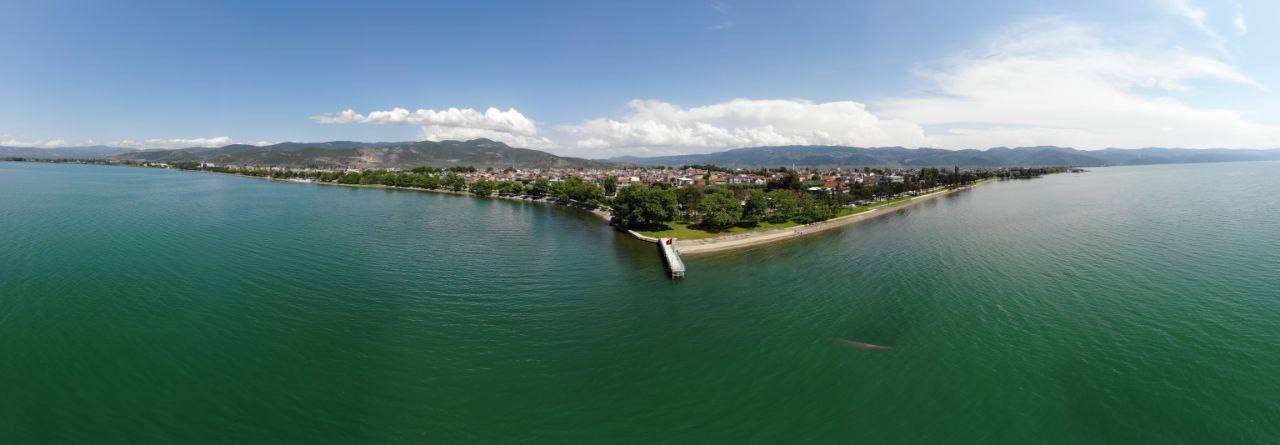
[
  {"x": 479, "y": 153},
  {"x": 830, "y": 156}
]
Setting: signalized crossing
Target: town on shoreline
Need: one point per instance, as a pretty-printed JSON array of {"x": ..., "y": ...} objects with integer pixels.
[{"x": 705, "y": 208}]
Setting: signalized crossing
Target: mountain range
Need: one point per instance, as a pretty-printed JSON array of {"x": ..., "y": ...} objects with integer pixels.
[
  {"x": 479, "y": 153},
  {"x": 484, "y": 153},
  {"x": 822, "y": 156},
  {"x": 88, "y": 152}
]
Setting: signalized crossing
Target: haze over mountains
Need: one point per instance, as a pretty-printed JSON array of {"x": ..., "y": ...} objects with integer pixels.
[
  {"x": 814, "y": 155},
  {"x": 87, "y": 152},
  {"x": 484, "y": 153},
  {"x": 480, "y": 153}
]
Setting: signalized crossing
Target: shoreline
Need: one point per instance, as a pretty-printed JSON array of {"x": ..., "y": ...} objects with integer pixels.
[
  {"x": 690, "y": 247},
  {"x": 752, "y": 239},
  {"x": 597, "y": 212}
]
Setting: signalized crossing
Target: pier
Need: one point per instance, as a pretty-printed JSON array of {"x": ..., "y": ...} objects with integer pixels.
[{"x": 669, "y": 253}]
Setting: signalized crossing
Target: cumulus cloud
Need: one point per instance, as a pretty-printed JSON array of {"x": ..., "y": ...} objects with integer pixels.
[
  {"x": 657, "y": 127},
  {"x": 347, "y": 116},
  {"x": 509, "y": 126},
  {"x": 175, "y": 143},
  {"x": 1046, "y": 81},
  {"x": 446, "y": 133},
  {"x": 1056, "y": 82}
]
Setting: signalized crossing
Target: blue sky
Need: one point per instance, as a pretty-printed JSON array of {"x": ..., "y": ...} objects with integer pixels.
[{"x": 603, "y": 79}]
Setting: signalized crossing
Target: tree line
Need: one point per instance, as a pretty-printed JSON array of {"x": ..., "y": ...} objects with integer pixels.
[
  {"x": 652, "y": 207},
  {"x": 782, "y": 199},
  {"x": 573, "y": 190}
]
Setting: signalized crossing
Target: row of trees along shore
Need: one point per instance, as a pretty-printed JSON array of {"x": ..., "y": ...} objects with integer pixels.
[
  {"x": 569, "y": 190},
  {"x": 652, "y": 207},
  {"x": 781, "y": 200}
]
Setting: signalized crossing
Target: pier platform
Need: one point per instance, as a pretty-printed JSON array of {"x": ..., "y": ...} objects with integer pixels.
[{"x": 675, "y": 266}]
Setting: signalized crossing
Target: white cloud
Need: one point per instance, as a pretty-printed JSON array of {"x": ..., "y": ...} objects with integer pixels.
[
  {"x": 175, "y": 143},
  {"x": 347, "y": 116},
  {"x": 447, "y": 133},
  {"x": 1241, "y": 26},
  {"x": 657, "y": 127},
  {"x": 510, "y": 126},
  {"x": 37, "y": 143},
  {"x": 1046, "y": 81},
  {"x": 1198, "y": 18},
  {"x": 1055, "y": 82}
]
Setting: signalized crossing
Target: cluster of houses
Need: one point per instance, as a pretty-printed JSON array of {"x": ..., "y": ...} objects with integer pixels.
[{"x": 830, "y": 179}]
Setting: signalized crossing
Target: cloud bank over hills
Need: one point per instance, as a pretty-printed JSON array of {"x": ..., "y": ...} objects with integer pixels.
[{"x": 508, "y": 126}]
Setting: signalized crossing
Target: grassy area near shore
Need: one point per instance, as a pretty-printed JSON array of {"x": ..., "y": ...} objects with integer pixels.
[
  {"x": 684, "y": 231},
  {"x": 687, "y": 232}
]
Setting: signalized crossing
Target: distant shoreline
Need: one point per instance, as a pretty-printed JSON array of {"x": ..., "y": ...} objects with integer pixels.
[{"x": 597, "y": 212}]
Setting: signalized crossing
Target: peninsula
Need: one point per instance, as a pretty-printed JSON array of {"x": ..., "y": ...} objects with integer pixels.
[{"x": 702, "y": 209}]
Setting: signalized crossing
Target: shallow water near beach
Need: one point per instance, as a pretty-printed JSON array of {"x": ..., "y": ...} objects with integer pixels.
[{"x": 1128, "y": 304}]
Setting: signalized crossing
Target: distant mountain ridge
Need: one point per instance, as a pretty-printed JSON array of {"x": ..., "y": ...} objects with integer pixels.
[
  {"x": 479, "y": 153},
  {"x": 88, "y": 152},
  {"x": 1043, "y": 156},
  {"x": 484, "y": 153}
]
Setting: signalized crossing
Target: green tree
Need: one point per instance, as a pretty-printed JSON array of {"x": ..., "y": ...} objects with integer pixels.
[
  {"x": 812, "y": 210},
  {"x": 392, "y": 179},
  {"x": 929, "y": 176},
  {"x": 720, "y": 210},
  {"x": 689, "y": 198},
  {"x": 483, "y": 188},
  {"x": 639, "y": 206},
  {"x": 576, "y": 190},
  {"x": 611, "y": 186},
  {"x": 425, "y": 182},
  {"x": 539, "y": 188},
  {"x": 756, "y": 208},
  {"x": 510, "y": 188},
  {"x": 350, "y": 178},
  {"x": 454, "y": 182},
  {"x": 783, "y": 205}
]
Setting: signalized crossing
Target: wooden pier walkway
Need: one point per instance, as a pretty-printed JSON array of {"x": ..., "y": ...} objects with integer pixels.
[{"x": 669, "y": 253}]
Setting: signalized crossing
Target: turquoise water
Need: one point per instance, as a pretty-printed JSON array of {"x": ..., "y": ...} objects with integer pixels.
[{"x": 1122, "y": 305}]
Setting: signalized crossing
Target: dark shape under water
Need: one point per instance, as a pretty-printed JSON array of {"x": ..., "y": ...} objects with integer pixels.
[{"x": 861, "y": 345}]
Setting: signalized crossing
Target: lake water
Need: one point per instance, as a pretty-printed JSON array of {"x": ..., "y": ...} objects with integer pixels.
[{"x": 1123, "y": 305}]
